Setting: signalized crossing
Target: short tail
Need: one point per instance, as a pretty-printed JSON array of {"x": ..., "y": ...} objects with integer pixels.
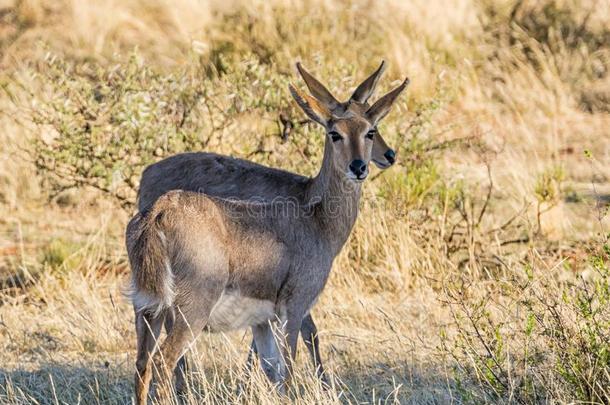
[{"x": 152, "y": 282}]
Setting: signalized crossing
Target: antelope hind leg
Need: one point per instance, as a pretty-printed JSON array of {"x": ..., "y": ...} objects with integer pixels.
[
  {"x": 148, "y": 329},
  {"x": 181, "y": 368},
  {"x": 188, "y": 323}
]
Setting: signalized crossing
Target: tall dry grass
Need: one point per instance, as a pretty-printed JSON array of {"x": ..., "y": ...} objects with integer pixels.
[{"x": 478, "y": 269}]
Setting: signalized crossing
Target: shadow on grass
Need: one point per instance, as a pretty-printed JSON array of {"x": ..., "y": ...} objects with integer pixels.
[
  {"x": 66, "y": 383},
  {"x": 398, "y": 383}
]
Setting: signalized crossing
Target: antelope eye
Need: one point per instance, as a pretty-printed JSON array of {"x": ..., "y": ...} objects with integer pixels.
[
  {"x": 371, "y": 133},
  {"x": 335, "y": 136}
]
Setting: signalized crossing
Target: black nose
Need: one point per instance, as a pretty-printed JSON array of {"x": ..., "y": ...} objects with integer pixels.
[
  {"x": 390, "y": 155},
  {"x": 358, "y": 167}
]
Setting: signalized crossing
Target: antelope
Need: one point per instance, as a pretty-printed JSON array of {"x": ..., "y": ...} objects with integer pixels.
[
  {"x": 228, "y": 177},
  {"x": 209, "y": 262}
]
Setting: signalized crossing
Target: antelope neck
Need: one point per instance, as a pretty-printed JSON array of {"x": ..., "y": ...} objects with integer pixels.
[{"x": 335, "y": 199}]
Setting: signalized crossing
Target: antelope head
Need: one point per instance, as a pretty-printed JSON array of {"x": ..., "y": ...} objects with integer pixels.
[
  {"x": 352, "y": 133},
  {"x": 383, "y": 156}
]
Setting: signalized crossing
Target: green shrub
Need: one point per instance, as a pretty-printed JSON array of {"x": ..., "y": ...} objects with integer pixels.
[
  {"x": 102, "y": 125},
  {"x": 534, "y": 337}
]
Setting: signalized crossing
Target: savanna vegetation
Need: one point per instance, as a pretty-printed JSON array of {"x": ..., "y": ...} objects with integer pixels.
[{"x": 478, "y": 270}]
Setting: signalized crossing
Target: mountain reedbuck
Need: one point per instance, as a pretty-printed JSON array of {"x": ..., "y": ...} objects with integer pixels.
[
  {"x": 228, "y": 177},
  {"x": 205, "y": 261}
]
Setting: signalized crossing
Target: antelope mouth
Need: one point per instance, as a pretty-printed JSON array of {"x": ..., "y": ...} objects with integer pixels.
[
  {"x": 357, "y": 179},
  {"x": 381, "y": 164}
]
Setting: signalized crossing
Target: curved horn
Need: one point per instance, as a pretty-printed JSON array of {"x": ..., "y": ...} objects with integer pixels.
[{"x": 367, "y": 87}]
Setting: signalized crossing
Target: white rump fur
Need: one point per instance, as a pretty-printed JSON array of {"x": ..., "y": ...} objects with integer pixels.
[{"x": 143, "y": 301}]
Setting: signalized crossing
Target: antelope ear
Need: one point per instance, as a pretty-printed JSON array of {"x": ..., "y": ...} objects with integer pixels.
[
  {"x": 365, "y": 90},
  {"x": 312, "y": 107},
  {"x": 317, "y": 89},
  {"x": 382, "y": 106}
]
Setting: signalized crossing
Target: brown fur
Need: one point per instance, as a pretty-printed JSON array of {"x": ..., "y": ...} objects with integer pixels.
[
  {"x": 149, "y": 257},
  {"x": 235, "y": 264},
  {"x": 229, "y": 177}
]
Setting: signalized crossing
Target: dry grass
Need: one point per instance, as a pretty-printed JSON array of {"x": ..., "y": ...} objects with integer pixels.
[{"x": 441, "y": 295}]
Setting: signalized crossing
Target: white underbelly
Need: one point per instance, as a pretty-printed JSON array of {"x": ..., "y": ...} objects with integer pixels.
[{"x": 234, "y": 311}]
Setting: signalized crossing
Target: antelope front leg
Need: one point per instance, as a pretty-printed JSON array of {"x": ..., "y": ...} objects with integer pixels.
[
  {"x": 253, "y": 352},
  {"x": 276, "y": 351},
  {"x": 309, "y": 332},
  {"x": 266, "y": 344},
  {"x": 291, "y": 328}
]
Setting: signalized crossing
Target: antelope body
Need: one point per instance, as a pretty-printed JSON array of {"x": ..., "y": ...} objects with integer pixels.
[
  {"x": 228, "y": 177},
  {"x": 202, "y": 261}
]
